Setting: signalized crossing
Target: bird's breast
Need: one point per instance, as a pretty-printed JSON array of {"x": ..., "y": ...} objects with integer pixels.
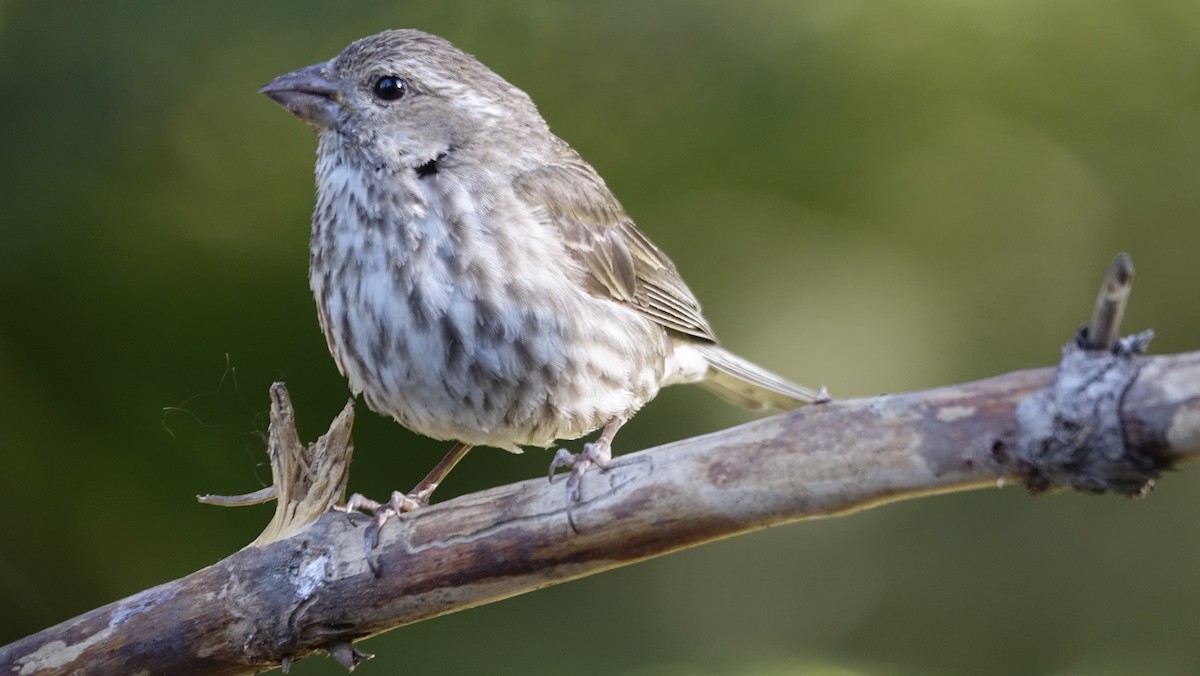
[{"x": 456, "y": 311}]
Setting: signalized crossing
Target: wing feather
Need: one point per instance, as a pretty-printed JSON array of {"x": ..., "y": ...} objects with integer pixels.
[{"x": 621, "y": 262}]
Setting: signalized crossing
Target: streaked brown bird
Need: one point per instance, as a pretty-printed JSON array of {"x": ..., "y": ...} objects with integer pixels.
[{"x": 475, "y": 278}]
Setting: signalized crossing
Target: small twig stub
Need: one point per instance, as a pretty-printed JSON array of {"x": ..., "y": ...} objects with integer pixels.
[{"x": 1109, "y": 310}]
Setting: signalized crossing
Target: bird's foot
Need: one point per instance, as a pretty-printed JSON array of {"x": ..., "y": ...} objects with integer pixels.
[
  {"x": 597, "y": 453},
  {"x": 400, "y": 503},
  {"x": 381, "y": 513}
]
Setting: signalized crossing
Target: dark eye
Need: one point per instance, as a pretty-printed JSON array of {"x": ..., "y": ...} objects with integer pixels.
[{"x": 389, "y": 88}]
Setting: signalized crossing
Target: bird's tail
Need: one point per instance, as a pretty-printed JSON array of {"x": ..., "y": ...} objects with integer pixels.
[{"x": 740, "y": 382}]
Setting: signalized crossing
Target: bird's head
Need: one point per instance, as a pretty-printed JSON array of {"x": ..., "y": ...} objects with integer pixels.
[{"x": 405, "y": 96}]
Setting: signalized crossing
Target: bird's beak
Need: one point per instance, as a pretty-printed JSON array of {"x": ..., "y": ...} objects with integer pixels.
[{"x": 308, "y": 94}]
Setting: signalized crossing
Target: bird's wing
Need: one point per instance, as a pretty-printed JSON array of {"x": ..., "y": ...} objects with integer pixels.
[{"x": 621, "y": 262}]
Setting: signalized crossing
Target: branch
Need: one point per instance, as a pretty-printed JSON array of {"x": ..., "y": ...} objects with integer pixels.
[{"x": 305, "y": 584}]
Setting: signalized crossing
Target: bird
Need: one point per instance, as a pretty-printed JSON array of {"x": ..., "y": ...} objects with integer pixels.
[{"x": 474, "y": 276}]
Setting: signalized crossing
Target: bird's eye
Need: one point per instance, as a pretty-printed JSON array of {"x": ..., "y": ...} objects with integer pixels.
[{"x": 389, "y": 88}]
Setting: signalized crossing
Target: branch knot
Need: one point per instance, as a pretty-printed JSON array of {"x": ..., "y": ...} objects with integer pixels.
[{"x": 1071, "y": 432}]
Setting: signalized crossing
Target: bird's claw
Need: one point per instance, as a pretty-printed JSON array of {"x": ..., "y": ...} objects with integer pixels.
[
  {"x": 595, "y": 453},
  {"x": 381, "y": 513}
]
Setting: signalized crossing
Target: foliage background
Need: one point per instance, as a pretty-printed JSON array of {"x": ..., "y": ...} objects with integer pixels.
[{"x": 877, "y": 196}]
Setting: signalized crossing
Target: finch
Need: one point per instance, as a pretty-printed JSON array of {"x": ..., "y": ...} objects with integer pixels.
[{"x": 475, "y": 278}]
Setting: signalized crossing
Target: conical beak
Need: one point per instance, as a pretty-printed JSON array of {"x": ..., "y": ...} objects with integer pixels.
[{"x": 308, "y": 94}]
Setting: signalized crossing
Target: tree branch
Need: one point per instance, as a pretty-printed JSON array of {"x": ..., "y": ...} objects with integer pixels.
[{"x": 305, "y": 585}]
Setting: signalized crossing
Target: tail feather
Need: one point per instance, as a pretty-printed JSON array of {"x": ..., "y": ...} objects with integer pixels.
[{"x": 742, "y": 383}]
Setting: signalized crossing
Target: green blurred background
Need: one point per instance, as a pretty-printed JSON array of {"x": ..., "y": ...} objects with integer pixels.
[{"x": 875, "y": 196}]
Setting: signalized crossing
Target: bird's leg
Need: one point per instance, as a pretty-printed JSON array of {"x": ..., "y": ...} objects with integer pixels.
[
  {"x": 399, "y": 503},
  {"x": 419, "y": 495},
  {"x": 598, "y": 453}
]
